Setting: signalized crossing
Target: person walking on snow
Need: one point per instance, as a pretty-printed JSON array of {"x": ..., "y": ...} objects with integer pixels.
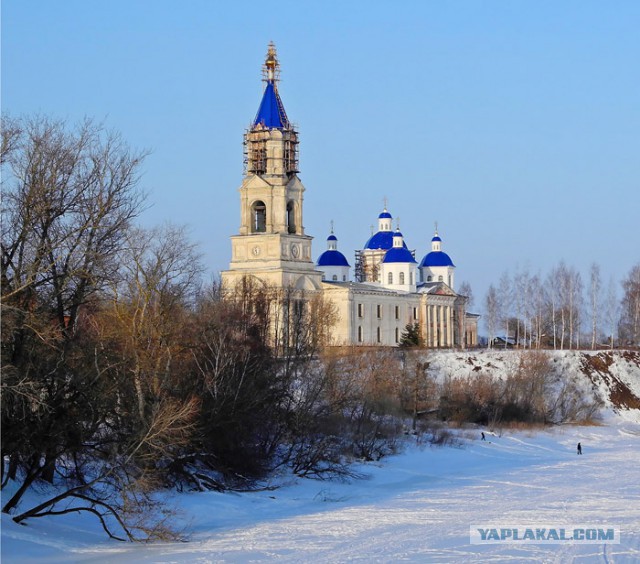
[
  {"x": 579, "y": 448},
  {"x": 482, "y": 433}
]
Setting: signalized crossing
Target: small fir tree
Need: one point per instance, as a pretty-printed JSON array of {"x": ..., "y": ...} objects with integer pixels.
[{"x": 411, "y": 336}]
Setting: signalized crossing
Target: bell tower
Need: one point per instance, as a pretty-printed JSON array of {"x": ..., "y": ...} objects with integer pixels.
[{"x": 271, "y": 243}]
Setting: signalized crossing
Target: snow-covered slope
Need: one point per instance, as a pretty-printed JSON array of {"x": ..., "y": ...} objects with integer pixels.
[{"x": 612, "y": 376}]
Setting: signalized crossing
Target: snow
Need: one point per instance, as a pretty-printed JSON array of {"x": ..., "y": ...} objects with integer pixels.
[{"x": 416, "y": 506}]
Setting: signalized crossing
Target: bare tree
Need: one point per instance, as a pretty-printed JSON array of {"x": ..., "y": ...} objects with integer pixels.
[
  {"x": 595, "y": 290},
  {"x": 567, "y": 288},
  {"x": 553, "y": 299},
  {"x": 505, "y": 302},
  {"x": 521, "y": 300},
  {"x": 465, "y": 290},
  {"x": 492, "y": 311},
  {"x": 538, "y": 301},
  {"x": 11, "y": 132},
  {"x": 159, "y": 276},
  {"x": 562, "y": 283},
  {"x": 611, "y": 312},
  {"x": 70, "y": 196},
  {"x": 575, "y": 306},
  {"x": 630, "y": 319}
]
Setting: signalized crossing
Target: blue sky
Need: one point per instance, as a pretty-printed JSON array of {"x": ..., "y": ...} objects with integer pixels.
[{"x": 514, "y": 125}]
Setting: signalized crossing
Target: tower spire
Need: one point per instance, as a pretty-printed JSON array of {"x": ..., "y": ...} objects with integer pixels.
[
  {"x": 271, "y": 67},
  {"x": 271, "y": 114}
]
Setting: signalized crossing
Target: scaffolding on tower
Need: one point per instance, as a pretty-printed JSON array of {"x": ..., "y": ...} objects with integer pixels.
[
  {"x": 271, "y": 116},
  {"x": 359, "y": 267}
]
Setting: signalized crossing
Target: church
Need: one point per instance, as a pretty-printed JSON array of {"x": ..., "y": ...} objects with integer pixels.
[{"x": 388, "y": 290}]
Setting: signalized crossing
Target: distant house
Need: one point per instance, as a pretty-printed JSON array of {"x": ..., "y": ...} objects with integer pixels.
[{"x": 504, "y": 342}]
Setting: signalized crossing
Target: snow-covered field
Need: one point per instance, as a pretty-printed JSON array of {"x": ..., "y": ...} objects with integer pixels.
[{"x": 417, "y": 506}]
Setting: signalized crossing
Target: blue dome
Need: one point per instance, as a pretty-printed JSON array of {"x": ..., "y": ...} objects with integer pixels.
[
  {"x": 381, "y": 240},
  {"x": 398, "y": 254},
  {"x": 436, "y": 238},
  {"x": 332, "y": 238},
  {"x": 437, "y": 258},
  {"x": 332, "y": 258},
  {"x": 385, "y": 215}
]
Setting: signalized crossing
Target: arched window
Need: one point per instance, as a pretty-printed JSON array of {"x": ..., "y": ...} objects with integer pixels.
[
  {"x": 402, "y": 278},
  {"x": 378, "y": 334},
  {"x": 291, "y": 218},
  {"x": 335, "y": 278},
  {"x": 411, "y": 278},
  {"x": 397, "y": 333},
  {"x": 360, "y": 333},
  {"x": 439, "y": 278},
  {"x": 344, "y": 277},
  {"x": 259, "y": 212},
  {"x": 390, "y": 278},
  {"x": 429, "y": 278}
]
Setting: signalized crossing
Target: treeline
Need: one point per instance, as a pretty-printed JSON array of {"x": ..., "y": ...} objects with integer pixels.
[{"x": 562, "y": 310}]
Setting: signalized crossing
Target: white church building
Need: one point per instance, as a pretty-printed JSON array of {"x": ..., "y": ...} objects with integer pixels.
[{"x": 388, "y": 288}]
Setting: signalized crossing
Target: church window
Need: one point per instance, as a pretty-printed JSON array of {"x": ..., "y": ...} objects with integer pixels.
[
  {"x": 429, "y": 278},
  {"x": 390, "y": 278},
  {"x": 415, "y": 313},
  {"x": 450, "y": 284},
  {"x": 291, "y": 218},
  {"x": 379, "y": 311},
  {"x": 402, "y": 278},
  {"x": 360, "y": 310},
  {"x": 344, "y": 277},
  {"x": 259, "y": 211},
  {"x": 397, "y": 312},
  {"x": 335, "y": 277},
  {"x": 411, "y": 278},
  {"x": 378, "y": 334},
  {"x": 397, "y": 335},
  {"x": 439, "y": 278},
  {"x": 360, "y": 333}
]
